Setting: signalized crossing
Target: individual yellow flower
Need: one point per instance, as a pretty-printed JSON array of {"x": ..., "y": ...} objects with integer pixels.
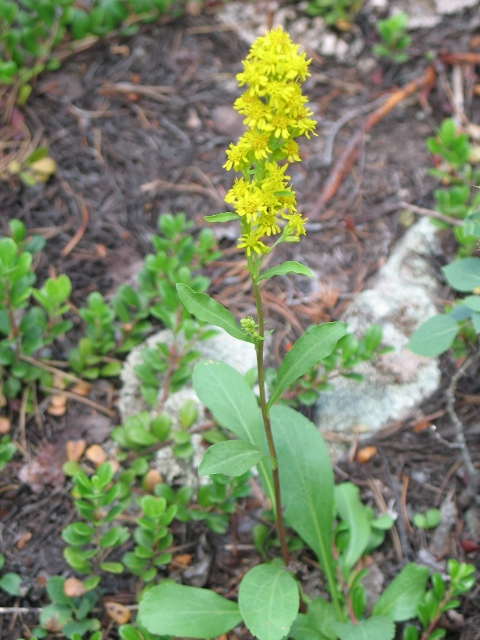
[
  {"x": 252, "y": 75},
  {"x": 295, "y": 224},
  {"x": 258, "y": 143},
  {"x": 290, "y": 151},
  {"x": 251, "y": 242},
  {"x": 252, "y": 204},
  {"x": 305, "y": 126},
  {"x": 280, "y": 124},
  {"x": 268, "y": 224},
  {"x": 237, "y": 156},
  {"x": 254, "y": 109},
  {"x": 237, "y": 191}
]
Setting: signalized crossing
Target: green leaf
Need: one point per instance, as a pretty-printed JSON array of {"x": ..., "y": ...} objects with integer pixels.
[
  {"x": 306, "y": 478},
  {"x": 473, "y": 302},
  {"x": 8, "y": 252},
  {"x": 308, "y": 350},
  {"x": 187, "y": 612},
  {"x": 287, "y": 267},
  {"x": 353, "y": 513},
  {"x": 226, "y": 393},
  {"x": 376, "y": 628},
  {"x": 127, "y": 632},
  {"x": 304, "y": 629},
  {"x": 322, "y": 615},
  {"x": 10, "y": 583},
  {"x": 476, "y": 321},
  {"x": 112, "y": 567},
  {"x": 55, "y": 591},
  {"x": 206, "y": 309},
  {"x": 226, "y": 216},
  {"x": 434, "y": 336},
  {"x": 111, "y": 369},
  {"x": 232, "y": 458},
  {"x": 400, "y": 599},
  {"x": 268, "y": 599},
  {"x": 463, "y": 275}
]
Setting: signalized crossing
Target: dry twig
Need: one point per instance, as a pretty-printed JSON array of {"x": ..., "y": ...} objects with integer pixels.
[{"x": 472, "y": 473}]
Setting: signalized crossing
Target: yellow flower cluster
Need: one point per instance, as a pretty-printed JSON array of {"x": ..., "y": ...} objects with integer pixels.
[{"x": 275, "y": 113}]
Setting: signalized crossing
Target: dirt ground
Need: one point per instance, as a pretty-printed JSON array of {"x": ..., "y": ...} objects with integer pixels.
[{"x": 128, "y": 152}]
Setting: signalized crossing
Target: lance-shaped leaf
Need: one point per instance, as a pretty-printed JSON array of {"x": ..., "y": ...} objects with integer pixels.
[
  {"x": 226, "y": 216},
  {"x": 188, "y": 612},
  {"x": 287, "y": 267},
  {"x": 400, "y": 599},
  {"x": 226, "y": 393},
  {"x": 206, "y": 309},
  {"x": 268, "y": 599},
  {"x": 232, "y": 458},
  {"x": 313, "y": 346},
  {"x": 353, "y": 513},
  {"x": 306, "y": 478}
]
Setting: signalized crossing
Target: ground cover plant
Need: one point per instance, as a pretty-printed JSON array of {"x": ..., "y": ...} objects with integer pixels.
[{"x": 129, "y": 528}]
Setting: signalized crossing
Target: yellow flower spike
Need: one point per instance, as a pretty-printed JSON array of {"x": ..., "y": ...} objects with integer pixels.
[{"x": 275, "y": 114}]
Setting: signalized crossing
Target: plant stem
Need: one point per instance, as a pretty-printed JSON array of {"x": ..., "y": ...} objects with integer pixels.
[{"x": 266, "y": 423}]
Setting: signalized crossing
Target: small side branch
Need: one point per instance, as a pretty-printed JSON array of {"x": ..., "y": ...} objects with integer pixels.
[{"x": 472, "y": 473}]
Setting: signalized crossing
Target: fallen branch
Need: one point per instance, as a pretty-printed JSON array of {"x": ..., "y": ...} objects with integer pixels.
[
  {"x": 75, "y": 396},
  {"x": 150, "y": 91},
  {"x": 431, "y": 213}
]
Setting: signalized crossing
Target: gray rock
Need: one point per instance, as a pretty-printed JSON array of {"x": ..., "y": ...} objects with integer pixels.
[
  {"x": 402, "y": 298},
  {"x": 237, "y": 354}
]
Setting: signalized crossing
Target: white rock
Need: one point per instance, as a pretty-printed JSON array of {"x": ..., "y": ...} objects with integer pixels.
[
  {"x": 236, "y": 353},
  {"x": 447, "y": 7},
  {"x": 401, "y": 300}
]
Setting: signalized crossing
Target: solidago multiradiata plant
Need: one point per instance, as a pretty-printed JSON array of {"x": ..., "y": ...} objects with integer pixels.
[{"x": 287, "y": 449}]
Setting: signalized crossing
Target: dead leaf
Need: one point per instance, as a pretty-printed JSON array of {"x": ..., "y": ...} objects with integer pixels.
[
  {"x": 152, "y": 478},
  {"x": 117, "y": 612},
  {"x": 53, "y": 624},
  {"x": 120, "y": 50},
  {"x": 57, "y": 406},
  {"x": 365, "y": 454},
  {"x": 73, "y": 588},
  {"x": 58, "y": 380},
  {"x": 114, "y": 463},
  {"x": 96, "y": 454},
  {"x": 4, "y": 425},
  {"x": 81, "y": 389},
  {"x": 181, "y": 560},
  {"x": 422, "y": 425},
  {"x": 75, "y": 449},
  {"x": 101, "y": 251},
  {"x": 23, "y": 539}
]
